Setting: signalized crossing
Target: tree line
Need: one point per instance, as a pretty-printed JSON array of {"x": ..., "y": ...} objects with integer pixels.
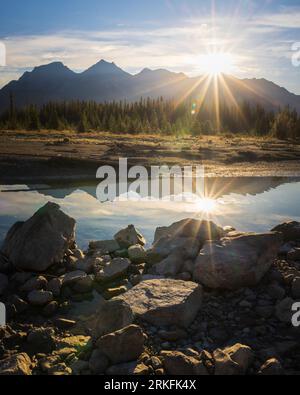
[{"x": 154, "y": 116}]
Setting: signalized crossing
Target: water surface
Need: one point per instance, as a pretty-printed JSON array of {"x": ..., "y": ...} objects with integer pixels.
[{"x": 249, "y": 204}]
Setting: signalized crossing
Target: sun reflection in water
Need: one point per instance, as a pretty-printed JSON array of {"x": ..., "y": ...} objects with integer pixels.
[{"x": 206, "y": 205}]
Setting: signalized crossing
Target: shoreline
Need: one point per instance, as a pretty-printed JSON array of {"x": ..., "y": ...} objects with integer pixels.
[
  {"x": 52, "y": 155},
  {"x": 77, "y": 316},
  {"x": 29, "y": 169}
]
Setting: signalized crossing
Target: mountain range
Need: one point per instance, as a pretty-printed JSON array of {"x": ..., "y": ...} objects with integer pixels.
[{"x": 105, "y": 81}]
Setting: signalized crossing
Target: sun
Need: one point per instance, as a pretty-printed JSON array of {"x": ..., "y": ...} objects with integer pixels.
[
  {"x": 216, "y": 63},
  {"x": 206, "y": 205}
]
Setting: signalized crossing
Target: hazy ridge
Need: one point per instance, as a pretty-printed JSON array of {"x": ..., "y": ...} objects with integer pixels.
[{"x": 107, "y": 82}]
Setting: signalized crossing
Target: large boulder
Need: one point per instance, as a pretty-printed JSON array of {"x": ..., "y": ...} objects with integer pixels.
[
  {"x": 169, "y": 266},
  {"x": 129, "y": 237},
  {"x": 125, "y": 345},
  {"x": 191, "y": 228},
  {"x": 41, "y": 241},
  {"x": 236, "y": 262},
  {"x": 178, "y": 364},
  {"x": 16, "y": 365},
  {"x": 183, "y": 238},
  {"x": 289, "y": 230},
  {"x": 165, "y": 302},
  {"x": 183, "y": 247},
  {"x": 112, "y": 315}
]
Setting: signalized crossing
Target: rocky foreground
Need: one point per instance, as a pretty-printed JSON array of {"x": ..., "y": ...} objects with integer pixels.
[{"x": 204, "y": 300}]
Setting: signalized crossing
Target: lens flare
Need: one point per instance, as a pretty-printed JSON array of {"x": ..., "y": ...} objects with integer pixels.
[
  {"x": 216, "y": 63},
  {"x": 206, "y": 205}
]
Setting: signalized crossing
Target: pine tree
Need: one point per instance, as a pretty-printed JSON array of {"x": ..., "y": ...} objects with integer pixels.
[
  {"x": 83, "y": 124},
  {"x": 153, "y": 116},
  {"x": 284, "y": 125}
]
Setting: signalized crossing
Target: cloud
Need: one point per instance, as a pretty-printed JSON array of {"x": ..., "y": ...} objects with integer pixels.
[
  {"x": 162, "y": 47},
  {"x": 288, "y": 18},
  {"x": 132, "y": 49},
  {"x": 258, "y": 50}
]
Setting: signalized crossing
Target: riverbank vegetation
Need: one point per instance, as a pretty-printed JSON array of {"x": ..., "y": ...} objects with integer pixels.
[{"x": 155, "y": 117}]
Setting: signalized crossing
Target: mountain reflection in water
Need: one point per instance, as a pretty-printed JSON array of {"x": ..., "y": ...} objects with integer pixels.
[{"x": 249, "y": 204}]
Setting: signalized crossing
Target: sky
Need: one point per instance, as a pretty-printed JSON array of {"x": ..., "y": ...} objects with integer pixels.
[{"x": 261, "y": 36}]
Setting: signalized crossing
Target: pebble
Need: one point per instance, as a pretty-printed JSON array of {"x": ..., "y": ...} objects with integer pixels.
[{"x": 255, "y": 322}]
